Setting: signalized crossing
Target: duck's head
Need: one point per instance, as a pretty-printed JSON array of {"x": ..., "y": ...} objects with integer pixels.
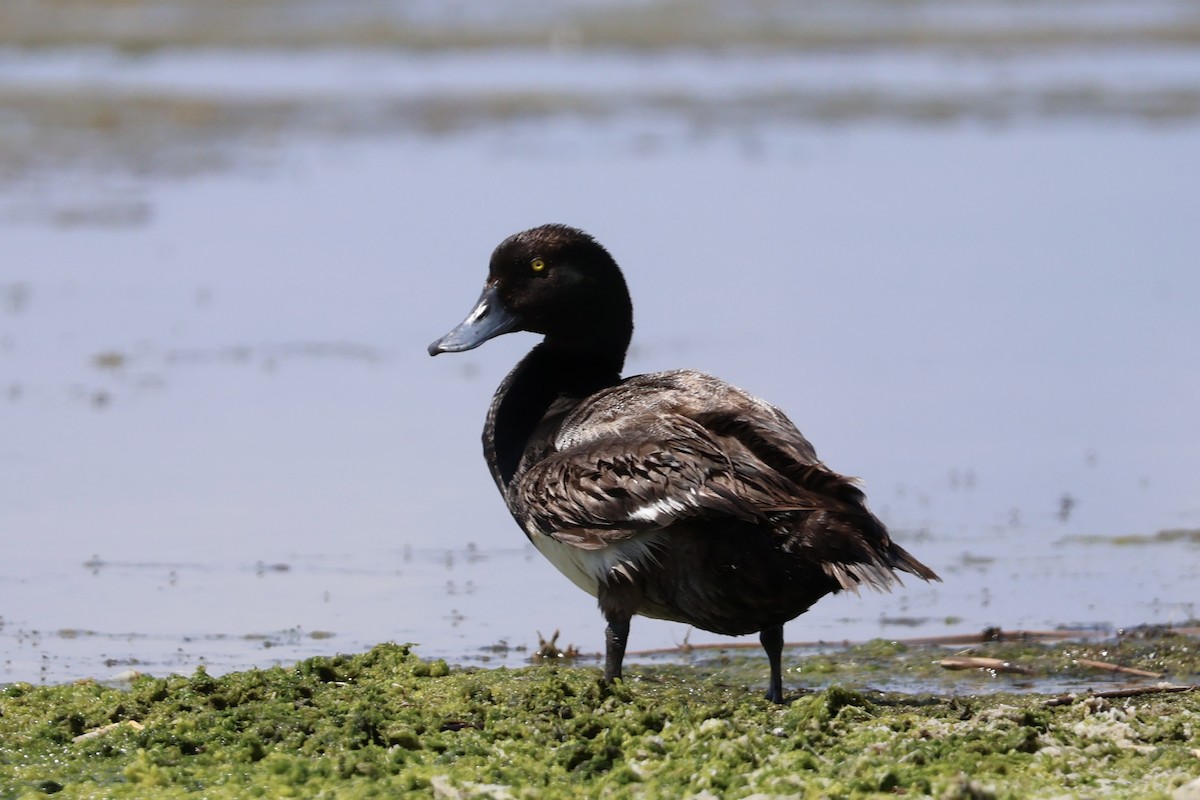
[{"x": 553, "y": 280}]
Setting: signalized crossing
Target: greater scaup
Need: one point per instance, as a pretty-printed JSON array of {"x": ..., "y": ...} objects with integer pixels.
[{"x": 672, "y": 495}]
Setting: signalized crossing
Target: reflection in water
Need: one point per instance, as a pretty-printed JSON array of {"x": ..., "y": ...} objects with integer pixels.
[{"x": 962, "y": 261}]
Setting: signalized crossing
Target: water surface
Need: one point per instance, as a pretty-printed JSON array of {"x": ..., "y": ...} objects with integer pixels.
[{"x": 222, "y": 442}]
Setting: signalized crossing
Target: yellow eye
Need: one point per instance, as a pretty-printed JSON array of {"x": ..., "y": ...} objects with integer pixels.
[{"x": 537, "y": 265}]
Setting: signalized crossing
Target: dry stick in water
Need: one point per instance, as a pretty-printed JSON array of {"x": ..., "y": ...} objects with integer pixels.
[
  {"x": 972, "y": 662},
  {"x": 994, "y": 664},
  {"x": 1104, "y": 665},
  {"x": 1067, "y": 699}
]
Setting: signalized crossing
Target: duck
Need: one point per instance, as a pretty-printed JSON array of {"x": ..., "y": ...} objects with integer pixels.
[{"x": 672, "y": 495}]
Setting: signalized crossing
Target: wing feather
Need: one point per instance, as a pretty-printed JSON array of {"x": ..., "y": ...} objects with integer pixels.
[
  {"x": 617, "y": 486},
  {"x": 675, "y": 447}
]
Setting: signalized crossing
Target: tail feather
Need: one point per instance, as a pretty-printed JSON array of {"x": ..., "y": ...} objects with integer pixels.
[
  {"x": 901, "y": 559},
  {"x": 854, "y": 549}
]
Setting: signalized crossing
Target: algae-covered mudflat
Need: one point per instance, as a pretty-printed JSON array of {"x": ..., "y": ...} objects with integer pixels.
[{"x": 386, "y": 723}]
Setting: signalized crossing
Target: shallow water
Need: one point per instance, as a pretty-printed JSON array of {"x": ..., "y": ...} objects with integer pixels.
[{"x": 222, "y": 442}]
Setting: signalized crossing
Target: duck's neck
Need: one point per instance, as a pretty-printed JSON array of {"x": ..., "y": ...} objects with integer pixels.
[{"x": 536, "y": 396}]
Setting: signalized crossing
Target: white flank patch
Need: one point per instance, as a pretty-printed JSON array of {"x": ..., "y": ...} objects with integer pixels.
[
  {"x": 657, "y": 510},
  {"x": 586, "y": 568}
]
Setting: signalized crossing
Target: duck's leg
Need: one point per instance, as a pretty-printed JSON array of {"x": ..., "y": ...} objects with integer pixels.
[
  {"x": 616, "y": 636},
  {"x": 772, "y": 642},
  {"x": 619, "y": 599}
]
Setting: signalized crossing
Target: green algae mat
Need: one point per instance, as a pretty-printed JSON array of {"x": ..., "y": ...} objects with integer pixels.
[{"x": 388, "y": 724}]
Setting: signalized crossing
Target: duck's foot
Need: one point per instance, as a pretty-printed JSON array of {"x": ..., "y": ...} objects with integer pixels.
[{"x": 780, "y": 699}]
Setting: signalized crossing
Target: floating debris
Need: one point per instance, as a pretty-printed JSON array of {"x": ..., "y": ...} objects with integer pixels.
[
  {"x": 548, "y": 650},
  {"x": 1169, "y": 536},
  {"x": 130, "y": 724}
]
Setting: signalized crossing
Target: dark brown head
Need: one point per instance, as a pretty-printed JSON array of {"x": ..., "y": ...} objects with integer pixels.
[{"x": 553, "y": 280}]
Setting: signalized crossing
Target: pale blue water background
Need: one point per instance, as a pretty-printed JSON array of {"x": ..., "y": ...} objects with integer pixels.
[{"x": 977, "y": 318}]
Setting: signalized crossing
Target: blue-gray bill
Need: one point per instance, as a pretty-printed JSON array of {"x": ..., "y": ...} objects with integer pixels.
[{"x": 487, "y": 320}]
